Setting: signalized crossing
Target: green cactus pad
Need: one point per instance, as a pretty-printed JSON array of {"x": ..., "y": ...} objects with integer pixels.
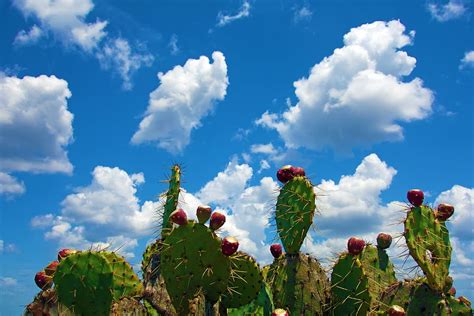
[
  {"x": 378, "y": 268},
  {"x": 125, "y": 281},
  {"x": 261, "y": 306},
  {"x": 428, "y": 242},
  {"x": 192, "y": 261},
  {"x": 417, "y": 298},
  {"x": 172, "y": 196},
  {"x": 299, "y": 284},
  {"x": 128, "y": 307},
  {"x": 244, "y": 282},
  {"x": 294, "y": 212},
  {"x": 349, "y": 287},
  {"x": 84, "y": 283}
]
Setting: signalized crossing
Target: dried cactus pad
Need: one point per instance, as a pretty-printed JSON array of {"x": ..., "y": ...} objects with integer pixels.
[
  {"x": 192, "y": 261},
  {"x": 428, "y": 242},
  {"x": 349, "y": 287},
  {"x": 84, "y": 283},
  {"x": 294, "y": 212},
  {"x": 244, "y": 282}
]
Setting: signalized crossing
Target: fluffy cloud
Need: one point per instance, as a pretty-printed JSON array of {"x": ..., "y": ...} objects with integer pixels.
[
  {"x": 267, "y": 149},
  {"x": 102, "y": 213},
  {"x": 452, "y": 10},
  {"x": 35, "y": 124},
  {"x": 186, "y": 95},
  {"x": 223, "y": 19},
  {"x": 356, "y": 96},
  {"x": 67, "y": 21},
  {"x": 8, "y": 282},
  {"x": 27, "y": 38},
  {"x": 10, "y": 185},
  {"x": 467, "y": 60}
]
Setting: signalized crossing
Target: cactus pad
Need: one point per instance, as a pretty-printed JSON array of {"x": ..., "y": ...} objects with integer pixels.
[
  {"x": 84, "y": 283},
  {"x": 125, "y": 281},
  {"x": 244, "y": 282},
  {"x": 349, "y": 287},
  {"x": 294, "y": 212},
  {"x": 428, "y": 242},
  {"x": 172, "y": 196},
  {"x": 191, "y": 262},
  {"x": 299, "y": 284}
]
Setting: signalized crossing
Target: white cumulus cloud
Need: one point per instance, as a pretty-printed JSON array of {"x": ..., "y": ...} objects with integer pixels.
[
  {"x": 356, "y": 96},
  {"x": 452, "y": 10},
  {"x": 10, "y": 185},
  {"x": 35, "y": 124},
  {"x": 185, "y": 96},
  {"x": 467, "y": 60},
  {"x": 67, "y": 21}
]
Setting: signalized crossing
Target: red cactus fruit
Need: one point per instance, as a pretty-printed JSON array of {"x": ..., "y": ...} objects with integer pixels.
[
  {"x": 396, "y": 310},
  {"x": 203, "y": 213},
  {"x": 415, "y": 197},
  {"x": 51, "y": 268},
  {"x": 298, "y": 171},
  {"x": 179, "y": 217},
  {"x": 444, "y": 211},
  {"x": 276, "y": 250},
  {"x": 279, "y": 312},
  {"x": 355, "y": 245},
  {"x": 63, "y": 253},
  {"x": 384, "y": 240},
  {"x": 229, "y": 246},
  {"x": 217, "y": 220},
  {"x": 452, "y": 291},
  {"x": 285, "y": 174},
  {"x": 43, "y": 281}
]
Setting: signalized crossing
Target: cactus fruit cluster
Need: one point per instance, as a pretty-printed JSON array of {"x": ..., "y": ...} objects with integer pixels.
[{"x": 190, "y": 270}]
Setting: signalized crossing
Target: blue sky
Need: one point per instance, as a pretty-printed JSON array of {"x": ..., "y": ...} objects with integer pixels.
[{"x": 99, "y": 98}]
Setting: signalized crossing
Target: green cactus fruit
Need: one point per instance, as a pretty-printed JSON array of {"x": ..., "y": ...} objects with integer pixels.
[
  {"x": 349, "y": 287},
  {"x": 378, "y": 269},
  {"x": 125, "y": 282},
  {"x": 299, "y": 284},
  {"x": 84, "y": 283},
  {"x": 428, "y": 243},
  {"x": 192, "y": 261},
  {"x": 244, "y": 282},
  {"x": 172, "y": 196},
  {"x": 128, "y": 307},
  {"x": 294, "y": 212}
]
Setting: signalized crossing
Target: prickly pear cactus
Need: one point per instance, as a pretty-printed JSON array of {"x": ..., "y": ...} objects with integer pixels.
[
  {"x": 244, "y": 282},
  {"x": 260, "y": 306},
  {"x": 294, "y": 212},
  {"x": 46, "y": 303},
  {"x": 172, "y": 196},
  {"x": 125, "y": 282},
  {"x": 84, "y": 283},
  {"x": 299, "y": 284},
  {"x": 127, "y": 307},
  {"x": 191, "y": 262},
  {"x": 378, "y": 269},
  {"x": 349, "y": 287},
  {"x": 427, "y": 239}
]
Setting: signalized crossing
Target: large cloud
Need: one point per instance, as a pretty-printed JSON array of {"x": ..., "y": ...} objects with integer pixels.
[
  {"x": 67, "y": 21},
  {"x": 185, "y": 96},
  {"x": 356, "y": 96},
  {"x": 104, "y": 212},
  {"x": 35, "y": 124}
]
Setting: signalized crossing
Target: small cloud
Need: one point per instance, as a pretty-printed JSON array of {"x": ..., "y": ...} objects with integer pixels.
[
  {"x": 303, "y": 14},
  {"x": 10, "y": 186},
  {"x": 7, "y": 281},
  {"x": 452, "y": 10},
  {"x": 264, "y": 165},
  {"x": 468, "y": 60},
  {"x": 223, "y": 19},
  {"x": 4, "y": 248},
  {"x": 266, "y": 149},
  {"x": 28, "y": 38},
  {"x": 173, "y": 44},
  {"x": 241, "y": 134}
]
